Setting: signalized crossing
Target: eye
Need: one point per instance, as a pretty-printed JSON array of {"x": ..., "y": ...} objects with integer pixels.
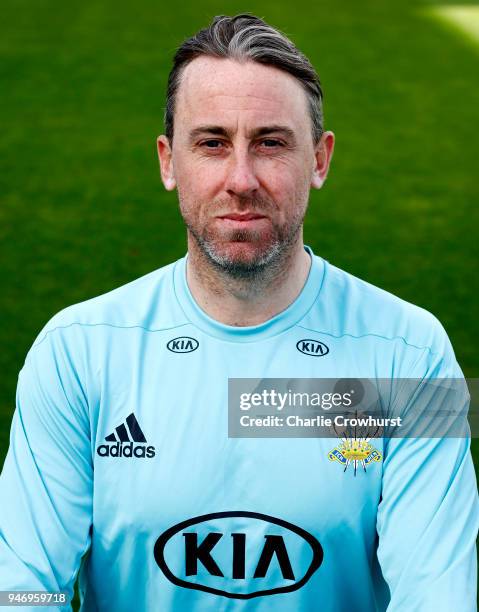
[
  {"x": 212, "y": 143},
  {"x": 271, "y": 143}
]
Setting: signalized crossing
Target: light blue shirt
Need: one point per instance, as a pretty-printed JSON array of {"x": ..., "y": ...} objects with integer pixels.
[{"x": 120, "y": 455}]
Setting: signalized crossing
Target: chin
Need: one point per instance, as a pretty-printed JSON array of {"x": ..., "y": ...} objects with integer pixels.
[
  {"x": 242, "y": 256},
  {"x": 242, "y": 251}
]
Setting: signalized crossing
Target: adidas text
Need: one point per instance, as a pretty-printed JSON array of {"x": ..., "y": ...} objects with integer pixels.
[{"x": 126, "y": 450}]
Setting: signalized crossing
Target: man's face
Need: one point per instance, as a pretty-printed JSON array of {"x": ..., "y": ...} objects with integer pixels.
[{"x": 243, "y": 160}]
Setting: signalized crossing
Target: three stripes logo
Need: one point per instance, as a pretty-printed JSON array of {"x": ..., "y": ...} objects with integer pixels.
[{"x": 126, "y": 441}]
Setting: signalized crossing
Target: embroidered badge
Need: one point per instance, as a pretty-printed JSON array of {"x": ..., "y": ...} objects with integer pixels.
[{"x": 358, "y": 451}]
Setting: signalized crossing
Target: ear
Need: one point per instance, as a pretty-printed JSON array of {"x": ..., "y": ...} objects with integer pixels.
[
  {"x": 323, "y": 153},
  {"x": 166, "y": 162}
]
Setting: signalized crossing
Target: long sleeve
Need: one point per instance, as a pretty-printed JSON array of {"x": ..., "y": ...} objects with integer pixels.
[
  {"x": 428, "y": 516},
  {"x": 47, "y": 479}
]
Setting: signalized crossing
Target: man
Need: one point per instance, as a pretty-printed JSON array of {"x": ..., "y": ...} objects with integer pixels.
[{"x": 120, "y": 461}]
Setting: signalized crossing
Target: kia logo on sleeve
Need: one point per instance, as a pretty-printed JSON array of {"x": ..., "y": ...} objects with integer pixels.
[
  {"x": 315, "y": 348},
  {"x": 184, "y": 344}
]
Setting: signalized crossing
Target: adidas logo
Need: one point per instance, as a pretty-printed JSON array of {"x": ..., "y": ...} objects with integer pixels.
[{"x": 122, "y": 441}]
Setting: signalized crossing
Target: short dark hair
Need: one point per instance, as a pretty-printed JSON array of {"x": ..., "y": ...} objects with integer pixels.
[{"x": 246, "y": 37}]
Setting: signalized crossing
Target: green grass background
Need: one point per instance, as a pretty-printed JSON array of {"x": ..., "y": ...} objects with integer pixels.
[{"x": 82, "y": 209}]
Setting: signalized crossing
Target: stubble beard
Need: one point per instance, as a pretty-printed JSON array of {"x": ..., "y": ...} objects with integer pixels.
[{"x": 262, "y": 268}]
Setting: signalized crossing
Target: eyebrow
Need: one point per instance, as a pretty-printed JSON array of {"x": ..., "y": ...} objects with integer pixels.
[{"x": 218, "y": 130}]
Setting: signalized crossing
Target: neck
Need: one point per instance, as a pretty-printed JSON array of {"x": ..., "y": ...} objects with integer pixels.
[{"x": 246, "y": 301}]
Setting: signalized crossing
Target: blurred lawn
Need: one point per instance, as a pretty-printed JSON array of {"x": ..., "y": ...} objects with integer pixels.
[{"x": 82, "y": 209}]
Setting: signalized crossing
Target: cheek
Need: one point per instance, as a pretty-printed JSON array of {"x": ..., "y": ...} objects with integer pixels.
[
  {"x": 288, "y": 185},
  {"x": 285, "y": 175},
  {"x": 198, "y": 182},
  {"x": 196, "y": 195}
]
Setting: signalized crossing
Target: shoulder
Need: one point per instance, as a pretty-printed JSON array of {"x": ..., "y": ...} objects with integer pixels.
[
  {"x": 350, "y": 306},
  {"x": 147, "y": 302}
]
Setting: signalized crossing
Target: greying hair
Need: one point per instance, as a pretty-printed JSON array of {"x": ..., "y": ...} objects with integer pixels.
[{"x": 246, "y": 37}]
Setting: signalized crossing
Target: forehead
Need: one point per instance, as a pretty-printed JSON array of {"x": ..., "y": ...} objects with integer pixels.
[{"x": 218, "y": 91}]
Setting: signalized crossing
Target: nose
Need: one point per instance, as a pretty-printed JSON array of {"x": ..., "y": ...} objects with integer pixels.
[{"x": 241, "y": 179}]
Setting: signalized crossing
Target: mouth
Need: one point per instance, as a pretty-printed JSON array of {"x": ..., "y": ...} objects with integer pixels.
[
  {"x": 242, "y": 217},
  {"x": 244, "y": 221}
]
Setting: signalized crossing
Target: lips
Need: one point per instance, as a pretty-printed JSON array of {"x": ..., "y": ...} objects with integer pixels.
[{"x": 242, "y": 216}]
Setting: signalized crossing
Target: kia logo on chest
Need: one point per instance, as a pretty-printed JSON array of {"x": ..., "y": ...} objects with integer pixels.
[
  {"x": 238, "y": 554},
  {"x": 315, "y": 348},
  {"x": 185, "y": 344}
]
